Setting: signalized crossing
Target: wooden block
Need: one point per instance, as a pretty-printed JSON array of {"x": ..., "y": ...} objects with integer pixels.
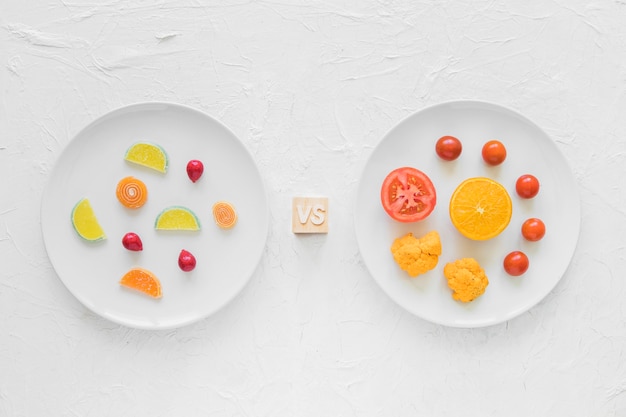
[{"x": 309, "y": 215}]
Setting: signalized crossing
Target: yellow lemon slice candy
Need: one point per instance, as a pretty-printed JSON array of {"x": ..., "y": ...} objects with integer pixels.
[
  {"x": 480, "y": 208},
  {"x": 148, "y": 155},
  {"x": 177, "y": 218},
  {"x": 85, "y": 222}
]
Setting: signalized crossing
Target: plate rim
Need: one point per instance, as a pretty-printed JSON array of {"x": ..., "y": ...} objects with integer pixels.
[
  {"x": 492, "y": 106},
  {"x": 146, "y": 324}
]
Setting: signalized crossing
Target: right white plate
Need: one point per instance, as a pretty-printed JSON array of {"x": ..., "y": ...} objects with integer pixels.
[{"x": 529, "y": 151}]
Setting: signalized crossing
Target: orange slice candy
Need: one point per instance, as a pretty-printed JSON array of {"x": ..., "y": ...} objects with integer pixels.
[
  {"x": 480, "y": 208},
  {"x": 142, "y": 280},
  {"x": 131, "y": 192},
  {"x": 224, "y": 214}
]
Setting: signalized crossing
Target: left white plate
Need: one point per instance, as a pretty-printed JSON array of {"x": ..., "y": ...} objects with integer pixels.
[{"x": 91, "y": 166}]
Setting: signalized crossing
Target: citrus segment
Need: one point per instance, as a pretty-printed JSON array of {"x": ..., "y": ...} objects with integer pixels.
[
  {"x": 148, "y": 155},
  {"x": 85, "y": 221},
  {"x": 177, "y": 218},
  {"x": 142, "y": 280},
  {"x": 131, "y": 192},
  {"x": 224, "y": 214},
  {"x": 480, "y": 208}
]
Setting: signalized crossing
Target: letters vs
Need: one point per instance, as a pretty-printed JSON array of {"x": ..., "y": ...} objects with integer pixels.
[
  {"x": 318, "y": 211},
  {"x": 310, "y": 215}
]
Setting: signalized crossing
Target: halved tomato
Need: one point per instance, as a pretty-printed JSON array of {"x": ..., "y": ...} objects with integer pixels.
[{"x": 408, "y": 195}]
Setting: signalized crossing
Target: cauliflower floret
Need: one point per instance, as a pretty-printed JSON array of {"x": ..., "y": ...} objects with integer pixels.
[
  {"x": 466, "y": 278},
  {"x": 417, "y": 256}
]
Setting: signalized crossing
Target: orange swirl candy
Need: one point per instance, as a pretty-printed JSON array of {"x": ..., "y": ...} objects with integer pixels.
[
  {"x": 224, "y": 214},
  {"x": 131, "y": 192}
]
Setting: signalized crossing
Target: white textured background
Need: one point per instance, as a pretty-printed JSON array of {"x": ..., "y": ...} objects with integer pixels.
[{"x": 311, "y": 87}]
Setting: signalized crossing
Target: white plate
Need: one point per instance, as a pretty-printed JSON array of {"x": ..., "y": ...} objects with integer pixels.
[
  {"x": 93, "y": 163},
  {"x": 530, "y": 151}
]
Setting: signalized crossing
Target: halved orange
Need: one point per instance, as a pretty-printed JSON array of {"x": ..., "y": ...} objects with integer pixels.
[
  {"x": 143, "y": 281},
  {"x": 480, "y": 208}
]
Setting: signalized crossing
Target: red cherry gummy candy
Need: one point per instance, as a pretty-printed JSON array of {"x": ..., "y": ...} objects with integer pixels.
[
  {"x": 195, "y": 169},
  {"x": 186, "y": 261},
  {"x": 132, "y": 241}
]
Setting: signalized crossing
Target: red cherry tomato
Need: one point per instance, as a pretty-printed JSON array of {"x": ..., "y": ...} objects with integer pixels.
[
  {"x": 448, "y": 148},
  {"x": 494, "y": 152},
  {"x": 408, "y": 195},
  {"x": 533, "y": 229},
  {"x": 527, "y": 186},
  {"x": 516, "y": 263}
]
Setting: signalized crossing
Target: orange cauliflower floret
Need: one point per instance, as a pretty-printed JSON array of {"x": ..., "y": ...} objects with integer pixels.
[
  {"x": 417, "y": 256},
  {"x": 466, "y": 278}
]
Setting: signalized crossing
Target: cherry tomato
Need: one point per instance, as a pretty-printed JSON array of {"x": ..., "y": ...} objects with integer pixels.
[
  {"x": 494, "y": 152},
  {"x": 516, "y": 263},
  {"x": 527, "y": 186},
  {"x": 408, "y": 195},
  {"x": 533, "y": 229},
  {"x": 448, "y": 148}
]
